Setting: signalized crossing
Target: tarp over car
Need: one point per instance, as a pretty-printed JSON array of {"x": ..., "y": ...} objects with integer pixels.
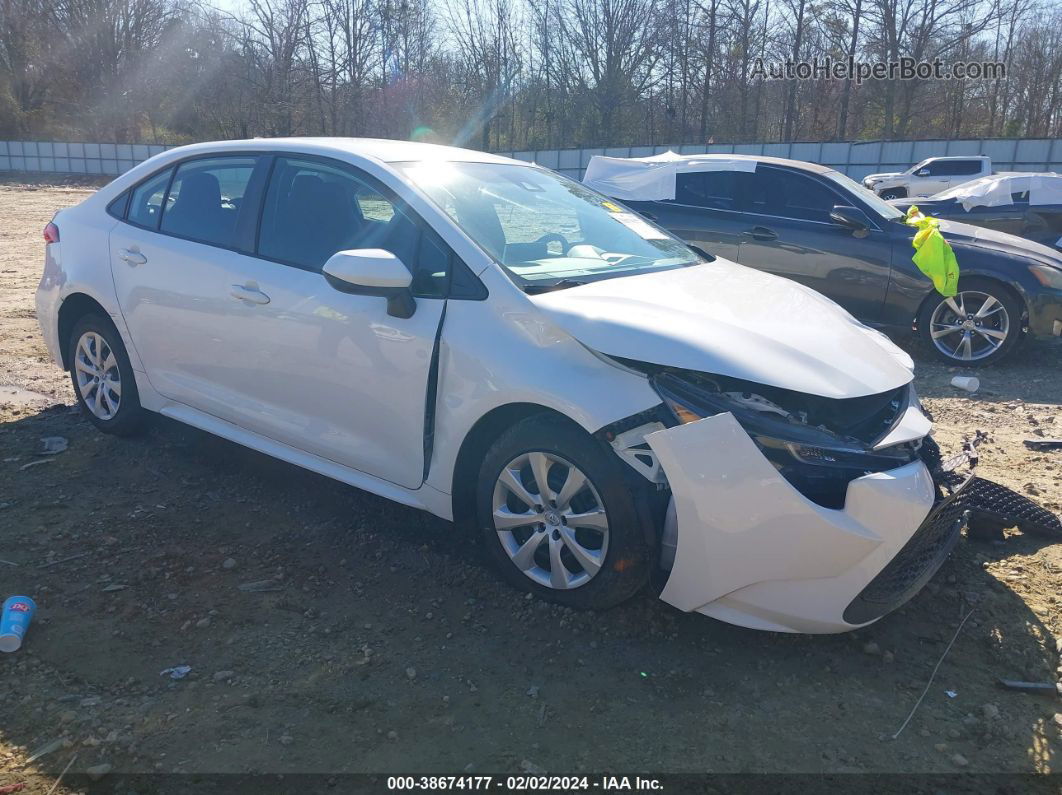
[
  {"x": 653, "y": 178},
  {"x": 997, "y": 191}
]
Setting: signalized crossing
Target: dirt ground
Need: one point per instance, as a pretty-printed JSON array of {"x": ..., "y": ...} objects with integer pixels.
[{"x": 381, "y": 642}]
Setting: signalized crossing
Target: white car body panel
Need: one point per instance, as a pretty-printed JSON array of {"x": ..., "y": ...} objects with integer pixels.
[
  {"x": 542, "y": 365},
  {"x": 288, "y": 378},
  {"x": 744, "y": 531},
  {"x": 292, "y": 369},
  {"x": 731, "y": 320}
]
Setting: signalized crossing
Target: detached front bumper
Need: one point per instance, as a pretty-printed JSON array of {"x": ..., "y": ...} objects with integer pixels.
[{"x": 752, "y": 550}]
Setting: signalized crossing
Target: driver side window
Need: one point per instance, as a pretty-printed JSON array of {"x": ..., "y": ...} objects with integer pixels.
[{"x": 314, "y": 209}]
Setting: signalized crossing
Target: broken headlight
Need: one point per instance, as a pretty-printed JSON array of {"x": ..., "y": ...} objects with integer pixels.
[{"x": 815, "y": 460}]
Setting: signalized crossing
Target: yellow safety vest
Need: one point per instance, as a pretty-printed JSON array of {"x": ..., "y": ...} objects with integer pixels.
[{"x": 933, "y": 254}]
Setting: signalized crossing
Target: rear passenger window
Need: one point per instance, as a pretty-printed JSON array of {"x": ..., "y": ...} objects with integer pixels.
[
  {"x": 716, "y": 190},
  {"x": 205, "y": 200},
  {"x": 312, "y": 210},
  {"x": 145, "y": 208}
]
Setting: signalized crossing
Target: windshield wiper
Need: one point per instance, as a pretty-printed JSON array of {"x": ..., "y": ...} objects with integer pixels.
[{"x": 563, "y": 284}]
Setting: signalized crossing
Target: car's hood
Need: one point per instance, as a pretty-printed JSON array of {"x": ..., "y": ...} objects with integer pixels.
[
  {"x": 886, "y": 175},
  {"x": 730, "y": 320},
  {"x": 962, "y": 235}
]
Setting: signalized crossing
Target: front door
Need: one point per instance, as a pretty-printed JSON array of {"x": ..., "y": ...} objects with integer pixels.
[
  {"x": 788, "y": 231},
  {"x": 326, "y": 371}
]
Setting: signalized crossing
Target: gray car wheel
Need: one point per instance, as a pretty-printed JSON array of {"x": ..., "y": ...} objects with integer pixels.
[{"x": 981, "y": 324}]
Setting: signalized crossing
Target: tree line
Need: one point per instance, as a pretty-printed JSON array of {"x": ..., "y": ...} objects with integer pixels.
[{"x": 520, "y": 74}]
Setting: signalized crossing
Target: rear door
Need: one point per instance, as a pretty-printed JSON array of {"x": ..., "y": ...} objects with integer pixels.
[
  {"x": 703, "y": 212},
  {"x": 787, "y": 231},
  {"x": 185, "y": 239}
]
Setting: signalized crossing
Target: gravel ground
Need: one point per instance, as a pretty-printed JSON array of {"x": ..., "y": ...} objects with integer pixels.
[{"x": 376, "y": 639}]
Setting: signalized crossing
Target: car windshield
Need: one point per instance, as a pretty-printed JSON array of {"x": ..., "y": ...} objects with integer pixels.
[
  {"x": 547, "y": 231},
  {"x": 877, "y": 204}
]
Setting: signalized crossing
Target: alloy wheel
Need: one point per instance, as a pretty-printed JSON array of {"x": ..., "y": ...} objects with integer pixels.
[
  {"x": 98, "y": 378},
  {"x": 550, "y": 520},
  {"x": 969, "y": 326}
]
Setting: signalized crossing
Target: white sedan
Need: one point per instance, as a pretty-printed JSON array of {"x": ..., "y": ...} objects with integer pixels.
[{"x": 501, "y": 346}]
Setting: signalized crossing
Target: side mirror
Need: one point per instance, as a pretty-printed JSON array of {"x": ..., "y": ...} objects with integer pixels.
[
  {"x": 373, "y": 271},
  {"x": 922, "y": 172},
  {"x": 851, "y": 218}
]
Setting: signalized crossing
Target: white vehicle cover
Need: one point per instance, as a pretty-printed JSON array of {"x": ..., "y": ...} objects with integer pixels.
[
  {"x": 997, "y": 191},
  {"x": 653, "y": 178}
]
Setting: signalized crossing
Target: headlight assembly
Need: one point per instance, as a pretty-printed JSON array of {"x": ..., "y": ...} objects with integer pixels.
[
  {"x": 1047, "y": 276},
  {"x": 814, "y": 460}
]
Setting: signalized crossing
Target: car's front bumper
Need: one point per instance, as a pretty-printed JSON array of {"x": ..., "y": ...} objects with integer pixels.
[
  {"x": 1045, "y": 312},
  {"x": 752, "y": 550}
]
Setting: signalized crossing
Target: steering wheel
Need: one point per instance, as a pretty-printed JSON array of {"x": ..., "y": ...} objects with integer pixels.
[{"x": 550, "y": 237}]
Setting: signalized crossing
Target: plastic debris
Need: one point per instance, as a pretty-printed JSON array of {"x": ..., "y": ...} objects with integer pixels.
[
  {"x": 967, "y": 383},
  {"x": 177, "y": 671},
  {"x": 53, "y": 445},
  {"x": 951, "y": 693}
]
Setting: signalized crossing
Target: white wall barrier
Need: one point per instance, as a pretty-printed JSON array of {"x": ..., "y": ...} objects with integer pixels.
[{"x": 857, "y": 159}]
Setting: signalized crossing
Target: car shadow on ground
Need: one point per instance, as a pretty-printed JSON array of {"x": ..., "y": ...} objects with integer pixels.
[{"x": 329, "y": 630}]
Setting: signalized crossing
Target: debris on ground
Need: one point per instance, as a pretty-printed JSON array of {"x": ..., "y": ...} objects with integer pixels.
[
  {"x": 1043, "y": 444},
  {"x": 177, "y": 671},
  {"x": 1036, "y": 688},
  {"x": 36, "y": 463},
  {"x": 53, "y": 445},
  {"x": 259, "y": 586},
  {"x": 966, "y": 383}
]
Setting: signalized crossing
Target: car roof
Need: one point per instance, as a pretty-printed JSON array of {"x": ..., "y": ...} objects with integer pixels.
[
  {"x": 382, "y": 149},
  {"x": 679, "y": 159}
]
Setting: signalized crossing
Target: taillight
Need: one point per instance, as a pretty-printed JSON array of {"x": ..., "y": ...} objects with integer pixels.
[{"x": 51, "y": 233}]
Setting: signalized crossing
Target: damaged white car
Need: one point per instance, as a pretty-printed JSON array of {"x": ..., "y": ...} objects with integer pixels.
[{"x": 501, "y": 346}]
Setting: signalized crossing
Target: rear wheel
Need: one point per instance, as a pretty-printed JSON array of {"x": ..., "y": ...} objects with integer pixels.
[
  {"x": 558, "y": 517},
  {"x": 103, "y": 377},
  {"x": 981, "y": 324}
]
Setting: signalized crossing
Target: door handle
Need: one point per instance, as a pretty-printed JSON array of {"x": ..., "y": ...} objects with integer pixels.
[
  {"x": 760, "y": 233},
  {"x": 251, "y": 295},
  {"x": 133, "y": 258}
]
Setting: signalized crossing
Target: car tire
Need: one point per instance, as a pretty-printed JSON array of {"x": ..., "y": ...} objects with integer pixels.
[
  {"x": 603, "y": 561},
  {"x": 981, "y": 311},
  {"x": 103, "y": 378},
  {"x": 893, "y": 193}
]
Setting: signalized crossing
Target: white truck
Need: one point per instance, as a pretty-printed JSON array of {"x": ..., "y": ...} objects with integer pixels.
[{"x": 932, "y": 175}]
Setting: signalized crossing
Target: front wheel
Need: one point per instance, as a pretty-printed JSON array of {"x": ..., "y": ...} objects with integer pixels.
[
  {"x": 980, "y": 325},
  {"x": 893, "y": 193},
  {"x": 558, "y": 517}
]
